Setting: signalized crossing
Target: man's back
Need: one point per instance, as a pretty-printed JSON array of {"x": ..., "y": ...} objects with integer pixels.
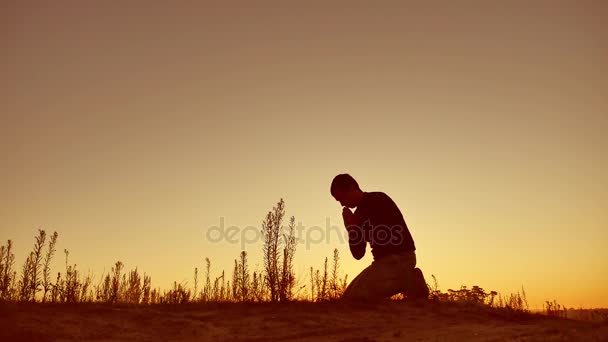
[{"x": 383, "y": 225}]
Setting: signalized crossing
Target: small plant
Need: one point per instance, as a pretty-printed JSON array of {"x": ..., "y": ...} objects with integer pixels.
[
  {"x": 177, "y": 295},
  {"x": 244, "y": 282},
  {"x": 195, "y": 292},
  {"x": 321, "y": 282},
  {"x": 155, "y": 296},
  {"x": 134, "y": 289},
  {"x": 86, "y": 292},
  {"x": 554, "y": 309},
  {"x": 57, "y": 289},
  {"x": 146, "y": 295},
  {"x": 24, "y": 283},
  {"x": 257, "y": 288},
  {"x": 279, "y": 274},
  {"x": 336, "y": 287},
  {"x": 46, "y": 270},
  {"x": 324, "y": 286},
  {"x": 312, "y": 284},
  {"x": 31, "y": 273},
  {"x": 71, "y": 286},
  {"x": 7, "y": 275},
  {"x": 478, "y": 296},
  {"x": 271, "y": 230},
  {"x": 115, "y": 282},
  {"x": 235, "y": 281},
  {"x": 435, "y": 294},
  {"x": 220, "y": 289},
  {"x": 474, "y": 295},
  {"x": 516, "y": 301},
  {"x": 206, "y": 294},
  {"x": 288, "y": 277}
]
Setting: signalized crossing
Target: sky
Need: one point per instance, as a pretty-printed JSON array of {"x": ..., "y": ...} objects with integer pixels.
[{"x": 134, "y": 129}]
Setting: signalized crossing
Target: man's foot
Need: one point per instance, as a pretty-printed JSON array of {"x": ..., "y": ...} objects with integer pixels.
[{"x": 420, "y": 290}]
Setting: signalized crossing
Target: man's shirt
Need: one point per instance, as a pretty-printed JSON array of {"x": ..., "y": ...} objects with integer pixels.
[{"x": 379, "y": 222}]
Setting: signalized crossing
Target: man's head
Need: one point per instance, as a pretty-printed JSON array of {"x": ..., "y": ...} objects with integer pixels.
[{"x": 345, "y": 190}]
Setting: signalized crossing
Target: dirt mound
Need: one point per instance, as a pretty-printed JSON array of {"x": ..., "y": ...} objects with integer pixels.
[{"x": 388, "y": 321}]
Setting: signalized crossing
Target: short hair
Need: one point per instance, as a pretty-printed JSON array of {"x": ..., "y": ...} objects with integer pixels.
[{"x": 342, "y": 182}]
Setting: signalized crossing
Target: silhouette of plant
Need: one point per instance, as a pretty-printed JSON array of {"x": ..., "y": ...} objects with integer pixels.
[
  {"x": 325, "y": 286},
  {"x": 30, "y": 279},
  {"x": 71, "y": 285},
  {"x": 288, "y": 277},
  {"x": 434, "y": 293},
  {"x": 244, "y": 283},
  {"x": 335, "y": 285},
  {"x": 146, "y": 295},
  {"x": 56, "y": 290},
  {"x": 220, "y": 290},
  {"x": 516, "y": 301},
  {"x": 257, "y": 287},
  {"x": 46, "y": 270},
  {"x": 195, "y": 292},
  {"x": 554, "y": 309},
  {"x": 177, "y": 295},
  {"x": 206, "y": 294},
  {"x": 7, "y": 275},
  {"x": 478, "y": 296},
  {"x": 312, "y": 284},
  {"x": 135, "y": 289},
  {"x": 271, "y": 229},
  {"x": 279, "y": 276},
  {"x": 115, "y": 282},
  {"x": 321, "y": 283},
  {"x": 474, "y": 295}
]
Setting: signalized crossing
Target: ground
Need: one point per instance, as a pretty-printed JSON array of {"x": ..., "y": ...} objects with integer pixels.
[{"x": 387, "y": 321}]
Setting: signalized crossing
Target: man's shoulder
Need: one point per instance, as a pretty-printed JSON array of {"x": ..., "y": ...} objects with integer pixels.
[
  {"x": 380, "y": 209},
  {"x": 377, "y": 197}
]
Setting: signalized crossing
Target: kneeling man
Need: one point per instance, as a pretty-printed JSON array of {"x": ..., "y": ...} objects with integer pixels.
[{"x": 378, "y": 221}]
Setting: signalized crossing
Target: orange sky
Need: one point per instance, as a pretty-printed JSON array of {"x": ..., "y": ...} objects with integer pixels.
[{"x": 132, "y": 130}]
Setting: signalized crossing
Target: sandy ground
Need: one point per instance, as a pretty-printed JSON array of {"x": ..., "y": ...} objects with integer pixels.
[{"x": 387, "y": 321}]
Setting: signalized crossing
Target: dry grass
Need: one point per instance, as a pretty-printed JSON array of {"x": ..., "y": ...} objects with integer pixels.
[{"x": 119, "y": 287}]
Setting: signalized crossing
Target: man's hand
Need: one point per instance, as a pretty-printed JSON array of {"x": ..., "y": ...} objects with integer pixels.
[{"x": 348, "y": 216}]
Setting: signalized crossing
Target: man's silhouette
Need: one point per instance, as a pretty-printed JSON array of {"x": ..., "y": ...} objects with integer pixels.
[{"x": 377, "y": 220}]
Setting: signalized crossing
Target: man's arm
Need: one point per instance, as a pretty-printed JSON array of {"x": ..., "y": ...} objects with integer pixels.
[{"x": 356, "y": 240}]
